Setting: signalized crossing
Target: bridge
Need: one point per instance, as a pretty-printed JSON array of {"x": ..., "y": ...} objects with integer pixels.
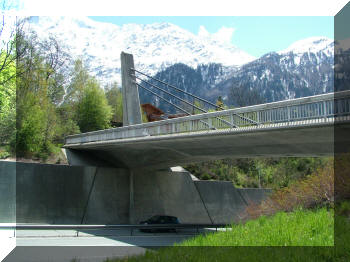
[
  {"x": 296, "y": 127},
  {"x": 122, "y": 176}
]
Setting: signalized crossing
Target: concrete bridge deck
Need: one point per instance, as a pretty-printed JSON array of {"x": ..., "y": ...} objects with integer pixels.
[
  {"x": 298, "y": 127},
  {"x": 315, "y": 139}
]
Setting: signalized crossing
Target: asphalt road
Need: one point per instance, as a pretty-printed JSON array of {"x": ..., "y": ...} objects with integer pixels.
[{"x": 89, "y": 245}]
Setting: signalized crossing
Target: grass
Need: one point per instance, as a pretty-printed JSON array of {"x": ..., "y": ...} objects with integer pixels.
[
  {"x": 298, "y": 228},
  {"x": 302, "y": 235}
]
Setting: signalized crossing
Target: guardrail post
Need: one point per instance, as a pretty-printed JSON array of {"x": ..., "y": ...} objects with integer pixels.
[
  {"x": 210, "y": 123},
  {"x": 232, "y": 121},
  {"x": 325, "y": 110}
]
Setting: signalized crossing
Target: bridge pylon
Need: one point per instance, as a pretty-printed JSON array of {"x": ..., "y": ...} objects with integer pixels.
[{"x": 130, "y": 92}]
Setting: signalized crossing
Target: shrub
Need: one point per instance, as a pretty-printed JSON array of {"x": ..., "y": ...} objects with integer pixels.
[
  {"x": 4, "y": 154},
  {"x": 343, "y": 209},
  {"x": 342, "y": 178},
  {"x": 315, "y": 190}
]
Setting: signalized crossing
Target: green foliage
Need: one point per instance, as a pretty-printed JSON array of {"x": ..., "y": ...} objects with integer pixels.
[
  {"x": 79, "y": 80},
  {"x": 31, "y": 126},
  {"x": 39, "y": 92},
  {"x": 7, "y": 99},
  {"x": 299, "y": 236},
  {"x": 115, "y": 100},
  {"x": 316, "y": 190},
  {"x": 343, "y": 209},
  {"x": 4, "y": 153},
  {"x": 196, "y": 111},
  {"x": 299, "y": 228},
  {"x": 93, "y": 111},
  {"x": 51, "y": 102},
  {"x": 220, "y": 104},
  {"x": 66, "y": 122},
  {"x": 268, "y": 172}
]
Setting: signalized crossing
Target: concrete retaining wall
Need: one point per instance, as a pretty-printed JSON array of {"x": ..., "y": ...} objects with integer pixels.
[
  {"x": 254, "y": 195},
  {"x": 58, "y": 194},
  {"x": 169, "y": 193},
  {"x": 222, "y": 200},
  {"x": 175, "y": 193},
  {"x": 109, "y": 199},
  {"x": 7, "y": 192}
]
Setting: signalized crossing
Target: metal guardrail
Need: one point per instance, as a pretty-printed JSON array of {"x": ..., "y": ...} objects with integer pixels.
[
  {"x": 131, "y": 227},
  {"x": 320, "y": 108}
]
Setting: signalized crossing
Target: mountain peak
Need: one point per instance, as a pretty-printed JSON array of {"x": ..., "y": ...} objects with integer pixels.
[
  {"x": 311, "y": 44},
  {"x": 154, "y": 46}
]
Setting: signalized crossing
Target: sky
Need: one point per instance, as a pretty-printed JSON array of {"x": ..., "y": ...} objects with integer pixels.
[
  {"x": 256, "y": 35},
  {"x": 255, "y": 26}
]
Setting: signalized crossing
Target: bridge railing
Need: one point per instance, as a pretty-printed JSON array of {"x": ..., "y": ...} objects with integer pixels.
[{"x": 306, "y": 110}]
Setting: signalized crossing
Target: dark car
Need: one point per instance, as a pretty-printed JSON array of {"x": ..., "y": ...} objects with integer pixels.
[{"x": 160, "y": 220}]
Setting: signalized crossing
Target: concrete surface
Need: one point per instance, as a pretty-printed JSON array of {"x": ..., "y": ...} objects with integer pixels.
[
  {"x": 109, "y": 199},
  {"x": 79, "y": 158},
  {"x": 7, "y": 192},
  {"x": 254, "y": 195},
  {"x": 172, "y": 150},
  {"x": 69, "y": 253},
  {"x": 91, "y": 245},
  {"x": 226, "y": 203},
  {"x": 54, "y": 194},
  {"x": 168, "y": 193},
  {"x": 131, "y": 101},
  {"x": 7, "y": 240},
  {"x": 222, "y": 200},
  {"x": 58, "y": 194}
]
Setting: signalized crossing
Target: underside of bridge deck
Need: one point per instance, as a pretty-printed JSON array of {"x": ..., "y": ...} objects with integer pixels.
[{"x": 171, "y": 150}]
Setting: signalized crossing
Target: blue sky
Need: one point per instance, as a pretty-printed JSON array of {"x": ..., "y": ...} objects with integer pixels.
[{"x": 256, "y": 35}]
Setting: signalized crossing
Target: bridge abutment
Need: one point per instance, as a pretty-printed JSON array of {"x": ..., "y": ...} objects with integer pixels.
[{"x": 60, "y": 194}]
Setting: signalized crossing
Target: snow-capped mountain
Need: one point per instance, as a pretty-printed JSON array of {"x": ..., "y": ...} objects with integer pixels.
[
  {"x": 311, "y": 45},
  {"x": 303, "y": 69},
  {"x": 201, "y": 64},
  {"x": 154, "y": 46}
]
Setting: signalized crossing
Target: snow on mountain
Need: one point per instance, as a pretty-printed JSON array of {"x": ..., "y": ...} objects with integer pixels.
[
  {"x": 154, "y": 46},
  {"x": 303, "y": 69},
  {"x": 312, "y": 44},
  {"x": 204, "y": 64},
  {"x": 320, "y": 46}
]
